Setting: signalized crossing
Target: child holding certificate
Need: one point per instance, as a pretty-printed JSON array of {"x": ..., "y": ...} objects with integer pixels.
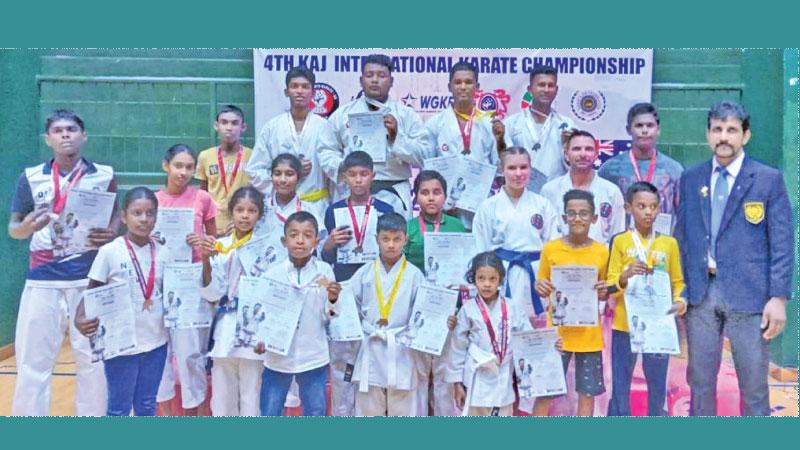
[
  {"x": 351, "y": 225},
  {"x": 584, "y": 342},
  {"x": 634, "y": 254},
  {"x": 189, "y": 345},
  {"x": 385, "y": 289},
  {"x": 221, "y": 169},
  {"x": 286, "y": 174},
  {"x": 236, "y": 373},
  {"x": 479, "y": 357},
  {"x": 133, "y": 376},
  {"x": 307, "y": 359},
  {"x": 430, "y": 188}
]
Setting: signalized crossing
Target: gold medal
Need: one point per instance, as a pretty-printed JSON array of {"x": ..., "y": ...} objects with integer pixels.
[{"x": 383, "y": 323}]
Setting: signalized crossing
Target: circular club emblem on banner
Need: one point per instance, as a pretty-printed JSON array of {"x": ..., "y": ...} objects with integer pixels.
[
  {"x": 527, "y": 99},
  {"x": 493, "y": 104},
  {"x": 537, "y": 221},
  {"x": 325, "y": 100},
  {"x": 588, "y": 105},
  {"x": 605, "y": 210}
]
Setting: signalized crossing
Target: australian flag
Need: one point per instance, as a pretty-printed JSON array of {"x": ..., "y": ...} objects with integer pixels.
[{"x": 609, "y": 149}]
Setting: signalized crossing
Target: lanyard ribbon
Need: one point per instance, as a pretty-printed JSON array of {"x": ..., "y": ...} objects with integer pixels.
[
  {"x": 60, "y": 198},
  {"x": 500, "y": 349},
  {"x": 235, "y": 243},
  {"x": 221, "y": 165},
  {"x": 643, "y": 254},
  {"x": 145, "y": 286},
  {"x": 650, "y": 170},
  {"x": 422, "y": 225},
  {"x": 281, "y": 217},
  {"x": 360, "y": 232},
  {"x": 466, "y": 132},
  {"x": 385, "y": 306}
]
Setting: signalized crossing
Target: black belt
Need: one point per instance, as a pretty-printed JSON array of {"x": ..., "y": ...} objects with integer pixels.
[{"x": 387, "y": 185}]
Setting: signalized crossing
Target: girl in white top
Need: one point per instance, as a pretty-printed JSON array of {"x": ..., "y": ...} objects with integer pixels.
[
  {"x": 307, "y": 360},
  {"x": 479, "y": 356},
  {"x": 236, "y": 373},
  {"x": 133, "y": 377},
  {"x": 515, "y": 224}
]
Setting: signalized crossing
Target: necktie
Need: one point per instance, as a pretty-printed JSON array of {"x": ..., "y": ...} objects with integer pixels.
[{"x": 718, "y": 202}]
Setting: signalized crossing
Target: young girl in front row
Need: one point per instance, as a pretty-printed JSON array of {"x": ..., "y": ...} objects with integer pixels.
[
  {"x": 479, "y": 356},
  {"x": 236, "y": 373},
  {"x": 133, "y": 377},
  {"x": 189, "y": 345}
]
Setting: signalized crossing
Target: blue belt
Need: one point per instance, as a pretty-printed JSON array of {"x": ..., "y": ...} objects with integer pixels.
[
  {"x": 523, "y": 260},
  {"x": 225, "y": 306}
]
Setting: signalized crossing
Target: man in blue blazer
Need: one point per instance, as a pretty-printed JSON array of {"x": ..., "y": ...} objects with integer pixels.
[{"x": 736, "y": 240}]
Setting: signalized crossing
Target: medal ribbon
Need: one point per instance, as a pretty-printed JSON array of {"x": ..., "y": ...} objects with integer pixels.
[
  {"x": 145, "y": 286},
  {"x": 60, "y": 198},
  {"x": 548, "y": 124},
  {"x": 385, "y": 307},
  {"x": 221, "y": 165},
  {"x": 281, "y": 217},
  {"x": 650, "y": 170},
  {"x": 466, "y": 132},
  {"x": 236, "y": 243},
  {"x": 643, "y": 254},
  {"x": 422, "y": 224},
  {"x": 501, "y": 349},
  {"x": 360, "y": 232}
]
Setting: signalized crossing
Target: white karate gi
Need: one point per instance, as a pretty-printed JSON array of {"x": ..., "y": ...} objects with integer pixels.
[
  {"x": 386, "y": 383},
  {"x": 543, "y": 142},
  {"x": 279, "y": 136},
  {"x": 608, "y": 205},
  {"x": 409, "y": 150},
  {"x": 472, "y": 361},
  {"x": 444, "y": 136},
  {"x": 236, "y": 374},
  {"x": 521, "y": 228}
]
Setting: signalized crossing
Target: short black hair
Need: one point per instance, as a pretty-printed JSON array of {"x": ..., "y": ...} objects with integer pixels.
[
  {"x": 726, "y": 110},
  {"x": 293, "y": 161},
  {"x": 640, "y": 186},
  {"x": 63, "y": 114},
  {"x": 358, "y": 159},
  {"x": 642, "y": 108},
  {"x": 231, "y": 108},
  {"x": 301, "y": 72},
  {"x": 250, "y": 193},
  {"x": 485, "y": 259},
  {"x": 428, "y": 175},
  {"x": 301, "y": 217},
  {"x": 578, "y": 194},
  {"x": 392, "y": 222},
  {"x": 543, "y": 70},
  {"x": 464, "y": 66},
  {"x": 380, "y": 59}
]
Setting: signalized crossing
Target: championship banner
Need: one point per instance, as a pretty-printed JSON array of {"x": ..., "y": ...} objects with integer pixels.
[{"x": 596, "y": 86}]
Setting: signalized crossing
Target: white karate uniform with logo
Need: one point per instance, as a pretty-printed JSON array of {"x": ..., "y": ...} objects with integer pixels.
[
  {"x": 544, "y": 144},
  {"x": 472, "y": 361},
  {"x": 409, "y": 150},
  {"x": 608, "y": 205},
  {"x": 382, "y": 398},
  {"x": 236, "y": 373},
  {"x": 47, "y": 310},
  {"x": 279, "y": 136},
  {"x": 444, "y": 135},
  {"x": 523, "y": 227}
]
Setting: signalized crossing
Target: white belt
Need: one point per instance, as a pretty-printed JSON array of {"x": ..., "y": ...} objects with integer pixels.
[
  {"x": 390, "y": 336},
  {"x": 485, "y": 360}
]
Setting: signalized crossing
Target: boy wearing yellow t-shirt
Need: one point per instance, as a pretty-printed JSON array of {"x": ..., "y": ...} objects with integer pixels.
[
  {"x": 585, "y": 343},
  {"x": 221, "y": 169},
  {"x": 639, "y": 252}
]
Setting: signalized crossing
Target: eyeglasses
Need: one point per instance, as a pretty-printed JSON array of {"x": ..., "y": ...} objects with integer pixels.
[{"x": 583, "y": 214}]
